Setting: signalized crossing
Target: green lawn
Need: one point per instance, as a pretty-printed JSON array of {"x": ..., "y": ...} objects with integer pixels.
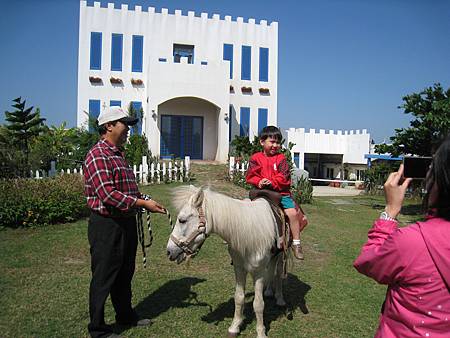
[{"x": 45, "y": 277}]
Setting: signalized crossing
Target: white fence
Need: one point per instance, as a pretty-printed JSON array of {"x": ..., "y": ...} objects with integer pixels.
[
  {"x": 237, "y": 166},
  {"x": 241, "y": 167},
  {"x": 160, "y": 172}
]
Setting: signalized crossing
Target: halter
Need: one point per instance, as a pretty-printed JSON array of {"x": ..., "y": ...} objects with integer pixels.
[{"x": 184, "y": 245}]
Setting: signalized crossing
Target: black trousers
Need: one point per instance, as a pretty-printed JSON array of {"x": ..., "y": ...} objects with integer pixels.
[{"x": 113, "y": 244}]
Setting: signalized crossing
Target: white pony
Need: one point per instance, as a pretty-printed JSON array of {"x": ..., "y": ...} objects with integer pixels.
[{"x": 248, "y": 228}]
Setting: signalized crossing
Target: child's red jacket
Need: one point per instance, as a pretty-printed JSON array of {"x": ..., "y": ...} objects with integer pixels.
[{"x": 274, "y": 168}]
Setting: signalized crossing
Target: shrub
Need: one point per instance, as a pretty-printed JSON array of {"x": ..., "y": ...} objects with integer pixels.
[
  {"x": 136, "y": 148},
  {"x": 375, "y": 177},
  {"x": 30, "y": 203},
  {"x": 241, "y": 147},
  {"x": 302, "y": 191}
]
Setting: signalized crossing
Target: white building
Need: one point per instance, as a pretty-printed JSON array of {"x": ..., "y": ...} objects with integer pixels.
[
  {"x": 333, "y": 155},
  {"x": 199, "y": 79}
]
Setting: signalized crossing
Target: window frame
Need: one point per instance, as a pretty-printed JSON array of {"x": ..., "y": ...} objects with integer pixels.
[
  {"x": 95, "y": 44},
  {"x": 228, "y": 56},
  {"x": 244, "y": 112},
  {"x": 116, "y": 65},
  {"x": 137, "y": 53},
  {"x": 246, "y": 63},
  {"x": 263, "y": 64}
]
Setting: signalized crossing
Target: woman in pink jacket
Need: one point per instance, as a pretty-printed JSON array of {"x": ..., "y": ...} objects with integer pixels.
[{"x": 414, "y": 261}]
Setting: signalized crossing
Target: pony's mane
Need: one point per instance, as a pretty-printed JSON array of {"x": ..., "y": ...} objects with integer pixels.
[
  {"x": 181, "y": 195},
  {"x": 247, "y": 226}
]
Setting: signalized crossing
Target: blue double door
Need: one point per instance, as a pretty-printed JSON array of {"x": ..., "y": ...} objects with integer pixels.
[{"x": 181, "y": 136}]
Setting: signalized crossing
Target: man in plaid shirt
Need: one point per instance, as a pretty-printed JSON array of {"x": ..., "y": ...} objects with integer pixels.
[{"x": 113, "y": 197}]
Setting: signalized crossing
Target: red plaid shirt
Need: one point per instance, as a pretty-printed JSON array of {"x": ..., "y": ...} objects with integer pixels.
[{"x": 109, "y": 182}]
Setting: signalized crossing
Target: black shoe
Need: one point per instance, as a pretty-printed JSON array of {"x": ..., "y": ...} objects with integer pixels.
[
  {"x": 140, "y": 322},
  {"x": 143, "y": 322}
]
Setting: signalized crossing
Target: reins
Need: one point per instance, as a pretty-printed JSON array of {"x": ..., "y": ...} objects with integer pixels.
[
  {"x": 140, "y": 230},
  {"x": 182, "y": 244}
]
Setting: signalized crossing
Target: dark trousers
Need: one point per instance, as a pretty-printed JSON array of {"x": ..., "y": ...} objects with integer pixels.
[{"x": 113, "y": 244}]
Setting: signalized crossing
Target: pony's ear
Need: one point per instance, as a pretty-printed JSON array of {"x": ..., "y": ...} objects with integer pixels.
[{"x": 198, "y": 198}]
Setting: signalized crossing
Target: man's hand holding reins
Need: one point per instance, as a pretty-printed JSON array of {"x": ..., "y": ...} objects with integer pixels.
[{"x": 151, "y": 206}]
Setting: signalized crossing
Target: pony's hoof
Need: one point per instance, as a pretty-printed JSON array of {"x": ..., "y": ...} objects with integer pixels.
[
  {"x": 232, "y": 334},
  {"x": 268, "y": 293},
  {"x": 281, "y": 303}
]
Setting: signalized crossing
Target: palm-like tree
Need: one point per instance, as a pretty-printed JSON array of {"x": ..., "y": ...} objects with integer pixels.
[{"x": 22, "y": 126}]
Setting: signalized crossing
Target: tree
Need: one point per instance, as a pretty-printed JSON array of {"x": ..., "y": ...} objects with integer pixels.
[
  {"x": 23, "y": 125},
  {"x": 136, "y": 147},
  {"x": 431, "y": 111},
  {"x": 57, "y": 144},
  {"x": 133, "y": 112}
]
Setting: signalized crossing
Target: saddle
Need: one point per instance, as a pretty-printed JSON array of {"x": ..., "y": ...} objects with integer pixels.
[{"x": 283, "y": 239}]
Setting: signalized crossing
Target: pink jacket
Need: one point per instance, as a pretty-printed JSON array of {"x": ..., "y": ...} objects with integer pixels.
[{"x": 415, "y": 262}]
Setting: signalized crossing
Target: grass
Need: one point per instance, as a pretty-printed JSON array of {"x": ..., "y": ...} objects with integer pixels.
[{"x": 45, "y": 278}]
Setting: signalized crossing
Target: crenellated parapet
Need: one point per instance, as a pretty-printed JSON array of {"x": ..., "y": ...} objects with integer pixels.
[
  {"x": 329, "y": 132},
  {"x": 179, "y": 13}
]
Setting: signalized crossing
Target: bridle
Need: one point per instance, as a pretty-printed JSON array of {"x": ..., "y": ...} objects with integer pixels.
[{"x": 185, "y": 244}]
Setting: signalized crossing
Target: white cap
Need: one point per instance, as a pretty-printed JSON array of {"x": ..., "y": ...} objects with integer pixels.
[{"x": 114, "y": 114}]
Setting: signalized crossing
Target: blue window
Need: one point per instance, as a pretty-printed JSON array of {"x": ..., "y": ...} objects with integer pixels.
[
  {"x": 263, "y": 64},
  {"x": 246, "y": 63},
  {"x": 262, "y": 119},
  {"x": 115, "y": 103},
  {"x": 116, "y": 52},
  {"x": 180, "y": 51},
  {"x": 245, "y": 121},
  {"x": 137, "y": 106},
  {"x": 162, "y": 60},
  {"x": 297, "y": 159},
  {"x": 96, "y": 51},
  {"x": 204, "y": 63},
  {"x": 228, "y": 55},
  {"x": 94, "y": 112},
  {"x": 137, "y": 53}
]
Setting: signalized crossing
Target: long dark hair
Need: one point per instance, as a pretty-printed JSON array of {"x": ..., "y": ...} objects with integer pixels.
[{"x": 440, "y": 175}]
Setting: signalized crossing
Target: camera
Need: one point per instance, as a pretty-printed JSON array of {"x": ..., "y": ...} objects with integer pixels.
[{"x": 416, "y": 167}]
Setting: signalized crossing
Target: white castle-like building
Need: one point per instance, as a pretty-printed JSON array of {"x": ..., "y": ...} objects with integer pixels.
[
  {"x": 330, "y": 155},
  {"x": 198, "y": 79}
]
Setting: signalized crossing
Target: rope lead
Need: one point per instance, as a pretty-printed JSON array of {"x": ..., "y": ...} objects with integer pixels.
[{"x": 140, "y": 230}]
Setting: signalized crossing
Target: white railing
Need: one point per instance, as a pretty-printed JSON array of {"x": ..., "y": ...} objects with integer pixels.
[
  {"x": 163, "y": 171},
  {"x": 237, "y": 166},
  {"x": 242, "y": 166}
]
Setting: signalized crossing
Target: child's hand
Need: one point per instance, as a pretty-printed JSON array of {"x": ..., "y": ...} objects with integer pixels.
[{"x": 264, "y": 182}]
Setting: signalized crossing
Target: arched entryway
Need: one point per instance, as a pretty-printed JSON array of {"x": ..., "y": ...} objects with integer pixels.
[{"x": 188, "y": 127}]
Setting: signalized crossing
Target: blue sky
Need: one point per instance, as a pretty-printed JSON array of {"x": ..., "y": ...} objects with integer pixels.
[{"x": 343, "y": 64}]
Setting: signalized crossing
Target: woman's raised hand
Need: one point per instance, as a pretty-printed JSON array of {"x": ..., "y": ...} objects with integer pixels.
[{"x": 394, "y": 192}]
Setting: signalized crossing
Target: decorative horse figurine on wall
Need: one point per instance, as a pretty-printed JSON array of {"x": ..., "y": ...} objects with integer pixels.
[{"x": 248, "y": 228}]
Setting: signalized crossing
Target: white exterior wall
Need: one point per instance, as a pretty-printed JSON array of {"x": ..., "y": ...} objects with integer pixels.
[
  {"x": 353, "y": 145},
  {"x": 164, "y": 81}
]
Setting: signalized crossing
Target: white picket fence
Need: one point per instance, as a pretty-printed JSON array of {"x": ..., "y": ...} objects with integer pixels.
[
  {"x": 237, "y": 166},
  {"x": 160, "y": 172}
]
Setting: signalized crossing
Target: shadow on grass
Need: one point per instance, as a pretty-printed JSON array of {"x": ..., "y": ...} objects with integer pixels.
[
  {"x": 294, "y": 291},
  {"x": 413, "y": 210},
  {"x": 173, "y": 294}
]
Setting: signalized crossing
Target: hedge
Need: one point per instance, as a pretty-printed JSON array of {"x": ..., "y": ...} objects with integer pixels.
[{"x": 32, "y": 202}]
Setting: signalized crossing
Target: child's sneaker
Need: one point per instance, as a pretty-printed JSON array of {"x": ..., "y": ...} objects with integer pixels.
[{"x": 298, "y": 251}]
